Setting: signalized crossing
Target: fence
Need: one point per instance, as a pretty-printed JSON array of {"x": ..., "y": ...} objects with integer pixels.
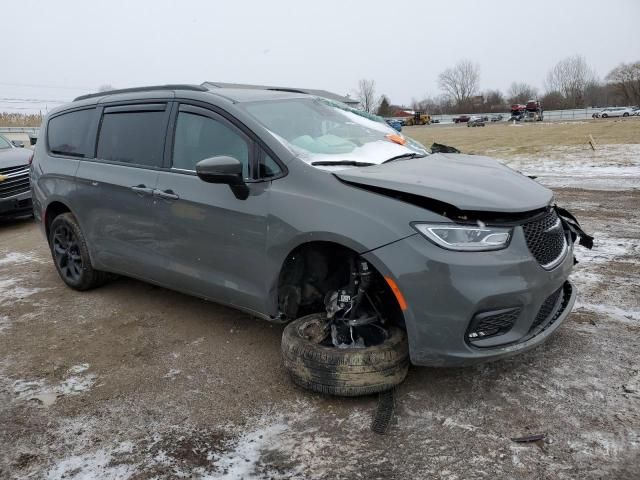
[
  {"x": 549, "y": 115},
  {"x": 27, "y": 130}
]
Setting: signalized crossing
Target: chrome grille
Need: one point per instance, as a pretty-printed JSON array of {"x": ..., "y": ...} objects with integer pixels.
[
  {"x": 16, "y": 181},
  {"x": 546, "y": 239}
]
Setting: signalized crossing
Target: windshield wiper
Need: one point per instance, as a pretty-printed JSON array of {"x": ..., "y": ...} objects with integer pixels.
[
  {"x": 350, "y": 163},
  {"x": 405, "y": 156}
]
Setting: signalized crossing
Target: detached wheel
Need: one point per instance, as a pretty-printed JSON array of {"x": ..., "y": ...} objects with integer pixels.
[
  {"x": 71, "y": 255},
  {"x": 347, "y": 372}
]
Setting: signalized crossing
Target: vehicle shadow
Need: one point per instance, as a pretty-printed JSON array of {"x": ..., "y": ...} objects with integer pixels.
[{"x": 15, "y": 221}]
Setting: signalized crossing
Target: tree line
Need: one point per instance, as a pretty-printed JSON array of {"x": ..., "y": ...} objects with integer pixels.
[{"x": 570, "y": 83}]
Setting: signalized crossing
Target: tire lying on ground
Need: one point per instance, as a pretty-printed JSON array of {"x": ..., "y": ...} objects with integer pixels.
[{"x": 343, "y": 371}]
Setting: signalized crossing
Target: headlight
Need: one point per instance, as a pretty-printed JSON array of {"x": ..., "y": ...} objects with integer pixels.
[{"x": 465, "y": 238}]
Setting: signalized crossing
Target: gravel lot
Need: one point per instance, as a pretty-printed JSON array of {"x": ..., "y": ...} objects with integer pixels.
[{"x": 134, "y": 381}]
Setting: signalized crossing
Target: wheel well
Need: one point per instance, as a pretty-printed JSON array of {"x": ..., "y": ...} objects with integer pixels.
[
  {"x": 53, "y": 210},
  {"x": 314, "y": 269}
]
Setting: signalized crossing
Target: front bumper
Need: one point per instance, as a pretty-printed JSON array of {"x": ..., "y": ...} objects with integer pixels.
[
  {"x": 445, "y": 289},
  {"x": 16, "y": 205}
]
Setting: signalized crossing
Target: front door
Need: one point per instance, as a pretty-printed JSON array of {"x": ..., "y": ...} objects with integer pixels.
[{"x": 213, "y": 243}]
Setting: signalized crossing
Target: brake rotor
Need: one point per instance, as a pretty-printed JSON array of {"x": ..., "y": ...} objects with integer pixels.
[{"x": 315, "y": 331}]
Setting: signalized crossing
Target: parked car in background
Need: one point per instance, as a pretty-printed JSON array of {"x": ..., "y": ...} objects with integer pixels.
[
  {"x": 636, "y": 112},
  {"x": 15, "y": 194},
  {"x": 615, "y": 112},
  {"x": 497, "y": 118},
  {"x": 393, "y": 123},
  {"x": 476, "y": 122},
  {"x": 461, "y": 119}
]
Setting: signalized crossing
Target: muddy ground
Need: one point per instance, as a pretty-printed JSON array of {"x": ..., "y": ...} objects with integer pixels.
[{"x": 133, "y": 381}]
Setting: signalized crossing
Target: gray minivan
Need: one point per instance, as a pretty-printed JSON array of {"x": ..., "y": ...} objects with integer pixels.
[{"x": 304, "y": 211}]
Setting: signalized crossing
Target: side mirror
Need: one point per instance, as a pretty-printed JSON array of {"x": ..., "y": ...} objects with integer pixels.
[{"x": 223, "y": 169}]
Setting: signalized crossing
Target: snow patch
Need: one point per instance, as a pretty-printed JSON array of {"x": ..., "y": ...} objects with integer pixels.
[
  {"x": 93, "y": 466},
  {"x": 11, "y": 293},
  {"x": 47, "y": 394},
  {"x": 242, "y": 460},
  {"x": 12, "y": 258},
  {"x": 609, "y": 167},
  {"x": 173, "y": 373},
  {"x": 4, "y": 322},
  {"x": 79, "y": 368}
]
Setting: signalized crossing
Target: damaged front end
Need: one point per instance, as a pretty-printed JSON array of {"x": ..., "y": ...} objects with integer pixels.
[{"x": 352, "y": 319}]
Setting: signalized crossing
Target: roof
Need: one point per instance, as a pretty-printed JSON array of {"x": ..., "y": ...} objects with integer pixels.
[
  {"x": 308, "y": 91},
  {"x": 239, "y": 95},
  {"x": 197, "y": 88}
]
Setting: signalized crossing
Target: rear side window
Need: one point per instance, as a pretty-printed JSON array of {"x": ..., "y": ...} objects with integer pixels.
[
  {"x": 68, "y": 134},
  {"x": 133, "y": 137}
]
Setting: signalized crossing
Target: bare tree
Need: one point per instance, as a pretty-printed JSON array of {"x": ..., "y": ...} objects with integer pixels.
[
  {"x": 105, "y": 88},
  {"x": 521, "y": 92},
  {"x": 428, "y": 105},
  {"x": 366, "y": 95},
  {"x": 493, "y": 101},
  {"x": 570, "y": 77},
  {"x": 553, "y": 100},
  {"x": 460, "y": 82},
  {"x": 625, "y": 79}
]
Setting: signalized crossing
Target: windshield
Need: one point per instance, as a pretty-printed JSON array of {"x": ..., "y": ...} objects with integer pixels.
[
  {"x": 4, "y": 143},
  {"x": 320, "y": 130}
]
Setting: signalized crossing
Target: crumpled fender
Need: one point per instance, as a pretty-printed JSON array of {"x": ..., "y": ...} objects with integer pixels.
[{"x": 574, "y": 227}]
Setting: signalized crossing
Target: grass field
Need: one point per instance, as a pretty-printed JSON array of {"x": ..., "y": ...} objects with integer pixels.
[{"x": 506, "y": 139}]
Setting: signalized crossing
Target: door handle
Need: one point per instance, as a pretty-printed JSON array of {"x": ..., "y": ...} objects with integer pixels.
[
  {"x": 142, "y": 189},
  {"x": 166, "y": 194}
]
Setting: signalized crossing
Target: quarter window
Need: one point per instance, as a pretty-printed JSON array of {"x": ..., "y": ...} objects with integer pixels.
[
  {"x": 68, "y": 134},
  {"x": 133, "y": 137},
  {"x": 198, "y": 137},
  {"x": 268, "y": 167}
]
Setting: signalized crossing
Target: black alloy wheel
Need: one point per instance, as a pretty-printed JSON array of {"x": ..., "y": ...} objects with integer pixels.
[
  {"x": 71, "y": 254},
  {"x": 66, "y": 253}
]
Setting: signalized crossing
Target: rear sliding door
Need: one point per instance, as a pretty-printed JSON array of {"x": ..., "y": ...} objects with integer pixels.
[{"x": 116, "y": 188}]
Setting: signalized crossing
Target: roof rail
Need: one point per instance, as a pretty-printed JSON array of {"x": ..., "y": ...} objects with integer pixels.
[
  {"x": 197, "y": 88},
  {"x": 282, "y": 89}
]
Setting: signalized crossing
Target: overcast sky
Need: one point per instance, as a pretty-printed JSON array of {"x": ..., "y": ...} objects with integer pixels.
[{"x": 55, "y": 50}]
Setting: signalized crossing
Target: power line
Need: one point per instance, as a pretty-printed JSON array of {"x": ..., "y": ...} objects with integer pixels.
[
  {"x": 32, "y": 85},
  {"x": 30, "y": 100},
  {"x": 33, "y": 109}
]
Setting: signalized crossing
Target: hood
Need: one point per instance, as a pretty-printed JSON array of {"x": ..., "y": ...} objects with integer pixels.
[
  {"x": 468, "y": 182},
  {"x": 14, "y": 157}
]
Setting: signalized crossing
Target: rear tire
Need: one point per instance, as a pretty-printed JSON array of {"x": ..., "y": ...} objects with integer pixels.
[
  {"x": 604, "y": 115},
  {"x": 347, "y": 372},
  {"x": 625, "y": 114},
  {"x": 71, "y": 255}
]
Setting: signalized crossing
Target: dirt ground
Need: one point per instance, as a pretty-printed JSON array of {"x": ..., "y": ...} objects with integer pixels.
[{"x": 132, "y": 381}]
